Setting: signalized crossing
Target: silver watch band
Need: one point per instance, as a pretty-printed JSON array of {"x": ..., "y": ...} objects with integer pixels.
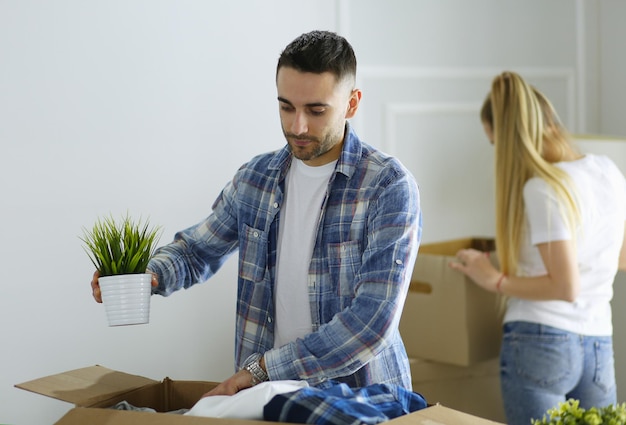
[{"x": 252, "y": 365}]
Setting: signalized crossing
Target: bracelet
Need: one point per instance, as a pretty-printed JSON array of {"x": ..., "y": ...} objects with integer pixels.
[
  {"x": 252, "y": 365},
  {"x": 499, "y": 283}
]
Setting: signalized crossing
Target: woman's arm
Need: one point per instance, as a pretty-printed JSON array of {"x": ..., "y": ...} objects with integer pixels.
[{"x": 560, "y": 283}]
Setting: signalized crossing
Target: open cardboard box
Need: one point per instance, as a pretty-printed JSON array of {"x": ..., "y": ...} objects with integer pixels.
[
  {"x": 447, "y": 318},
  {"x": 93, "y": 389},
  {"x": 473, "y": 389}
]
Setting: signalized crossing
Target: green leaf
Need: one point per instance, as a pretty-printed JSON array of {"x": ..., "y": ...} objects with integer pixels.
[
  {"x": 120, "y": 247},
  {"x": 571, "y": 413}
]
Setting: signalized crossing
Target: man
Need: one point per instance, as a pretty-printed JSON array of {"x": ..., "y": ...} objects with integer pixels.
[{"x": 327, "y": 230}]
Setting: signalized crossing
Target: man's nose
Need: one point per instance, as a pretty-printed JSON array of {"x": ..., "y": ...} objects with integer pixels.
[{"x": 299, "y": 124}]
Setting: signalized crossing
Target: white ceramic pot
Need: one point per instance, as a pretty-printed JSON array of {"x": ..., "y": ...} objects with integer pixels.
[{"x": 126, "y": 298}]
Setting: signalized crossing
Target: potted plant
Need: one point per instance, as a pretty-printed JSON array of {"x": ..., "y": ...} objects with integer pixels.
[
  {"x": 120, "y": 251},
  {"x": 571, "y": 413}
]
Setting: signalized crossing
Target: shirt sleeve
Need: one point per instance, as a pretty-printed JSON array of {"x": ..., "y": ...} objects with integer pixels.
[{"x": 199, "y": 251}]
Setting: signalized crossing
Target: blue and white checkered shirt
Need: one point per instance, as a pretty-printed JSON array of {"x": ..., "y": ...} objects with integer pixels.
[
  {"x": 366, "y": 244},
  {"x": 341, "y": 405}
]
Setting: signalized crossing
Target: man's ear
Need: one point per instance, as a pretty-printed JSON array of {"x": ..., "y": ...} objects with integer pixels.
[{"x": 353, "y": 103}]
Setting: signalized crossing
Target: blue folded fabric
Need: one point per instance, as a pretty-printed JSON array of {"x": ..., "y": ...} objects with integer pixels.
[{"x": 342, "y": 405}]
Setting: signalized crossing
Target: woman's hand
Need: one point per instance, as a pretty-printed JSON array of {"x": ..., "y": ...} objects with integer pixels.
[{"x": 477, "y": 266}]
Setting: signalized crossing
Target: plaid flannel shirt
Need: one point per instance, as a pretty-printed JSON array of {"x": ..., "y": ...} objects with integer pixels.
[
  {"x": 341, "y": 405},
  {"x": 367, "y": 241}
]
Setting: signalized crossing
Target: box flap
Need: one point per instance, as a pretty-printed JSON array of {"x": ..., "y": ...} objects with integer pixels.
[
  {"x": 450, "y": 247},
  {"x": 86, "y": 386},
  {"x": 440, "y": 415}
]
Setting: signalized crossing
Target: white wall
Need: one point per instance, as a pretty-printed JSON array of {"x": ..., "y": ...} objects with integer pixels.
[
  {"x": 140, "y": 106},
  {"x": 150, "y": 106},
  {"x": 612, "y": 66}
]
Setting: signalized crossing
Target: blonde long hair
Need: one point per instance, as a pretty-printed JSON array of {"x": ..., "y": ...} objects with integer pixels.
[{"x": 528, "y": 140}]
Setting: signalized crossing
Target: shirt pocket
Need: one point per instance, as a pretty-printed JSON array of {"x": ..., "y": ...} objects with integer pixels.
[
  {"x": 252, "y": 254},
  {"x": 344, "y": 261}
]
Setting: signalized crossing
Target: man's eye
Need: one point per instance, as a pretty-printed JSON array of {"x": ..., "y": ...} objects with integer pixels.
[
  {"x": 317, "y": 112},
  {"x": 286, "y": 108}
]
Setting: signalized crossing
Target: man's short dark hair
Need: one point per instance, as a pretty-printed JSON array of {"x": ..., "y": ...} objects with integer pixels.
[{"x": 319, "y": 52}]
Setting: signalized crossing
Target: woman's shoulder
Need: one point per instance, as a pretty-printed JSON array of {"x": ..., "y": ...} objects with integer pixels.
[
  {"x": 592, "y": 159},
  {"x": 595, "y": 165},
  {"x": 536, "y": 187}
]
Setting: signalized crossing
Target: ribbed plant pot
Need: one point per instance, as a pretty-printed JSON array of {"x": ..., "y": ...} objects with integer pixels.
[{"x": 126, "y": 298}]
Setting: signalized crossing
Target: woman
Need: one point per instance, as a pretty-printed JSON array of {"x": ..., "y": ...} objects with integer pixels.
[{"x": 560, "y": 239}]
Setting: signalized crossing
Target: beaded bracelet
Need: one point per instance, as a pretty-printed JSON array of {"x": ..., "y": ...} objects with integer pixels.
[{"x": 499, "y": 283}]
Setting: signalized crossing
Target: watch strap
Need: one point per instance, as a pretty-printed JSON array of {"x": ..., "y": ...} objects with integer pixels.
[{"x": 253, "y": 366}]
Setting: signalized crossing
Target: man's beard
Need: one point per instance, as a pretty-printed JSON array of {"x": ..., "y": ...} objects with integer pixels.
[{"x": 314, "y": 150}]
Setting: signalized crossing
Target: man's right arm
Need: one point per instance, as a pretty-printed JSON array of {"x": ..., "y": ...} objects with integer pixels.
[{"x": 198, "y": 252}]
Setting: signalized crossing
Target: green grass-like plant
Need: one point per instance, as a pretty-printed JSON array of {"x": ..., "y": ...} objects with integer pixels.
[
  {"x": 570, "y": 413},
  {"x": 120, "y": 247}
]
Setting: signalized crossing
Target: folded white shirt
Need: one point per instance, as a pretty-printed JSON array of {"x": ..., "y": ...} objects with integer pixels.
[{"x": 246, "y": 404}]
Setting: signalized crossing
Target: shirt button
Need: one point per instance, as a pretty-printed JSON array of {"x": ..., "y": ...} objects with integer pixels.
[
  {"x": 275, "y": 204},
  {"x": 398, "y": 262},
  {"x": 256, "y": 234},
  {"x": 269, "y": 320}
]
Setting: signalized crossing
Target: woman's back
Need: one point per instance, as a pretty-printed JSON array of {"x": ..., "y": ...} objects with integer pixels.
[{"x": 601, "y": 192}]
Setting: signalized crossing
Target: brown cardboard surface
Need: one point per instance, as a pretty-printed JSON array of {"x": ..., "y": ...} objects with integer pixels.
[
  {"x": 450, "y": 248},
  {"x": 97, "y": 386},
  {"x": 440, "y": 415},
  {"x": 473, "y": 389},
  {"x": 447, "y": 317},
  {"x": 428, "y": 370},
  {"x": 86, "y": 386},
  {"x": 433, "y": 415},
  {"x": 170, "y": 395},
  {"x": 90, "y": 416}
]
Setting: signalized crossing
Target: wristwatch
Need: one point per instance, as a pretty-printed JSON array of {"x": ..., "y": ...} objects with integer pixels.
[{"x": 252, "y": 365}]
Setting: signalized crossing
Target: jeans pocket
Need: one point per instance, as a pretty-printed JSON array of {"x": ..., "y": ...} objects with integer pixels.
[
  {"x": 604, "y": 376},
  {"x": 541, "y": 360}
]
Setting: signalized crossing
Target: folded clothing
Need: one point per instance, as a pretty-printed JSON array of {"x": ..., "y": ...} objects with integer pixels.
[
  {"x": 342, "y": 405},
  {"x": 246, "y": 404},
  {"x": 124, "y": 405}
]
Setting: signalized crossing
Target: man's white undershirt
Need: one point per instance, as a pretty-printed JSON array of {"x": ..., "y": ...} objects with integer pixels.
[{"x": 305, "y": 189}]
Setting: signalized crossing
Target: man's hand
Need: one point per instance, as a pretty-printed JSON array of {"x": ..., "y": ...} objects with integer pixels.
[
  {"x": 239, "y": 381},
  {"x": 95, "y": 287}
]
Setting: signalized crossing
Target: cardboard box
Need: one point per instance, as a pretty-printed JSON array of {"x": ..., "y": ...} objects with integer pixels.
[
  {"x": 447, "y": 317},
  {"x": 94, "y": 388},
  {"x": 472, "y": 389}
]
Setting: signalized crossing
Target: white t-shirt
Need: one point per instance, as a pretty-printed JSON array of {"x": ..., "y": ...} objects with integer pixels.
[
  {"x": 246, "y": 404},
  {"x": 305, "y": 190},
  {"x": 602, "y": 203}
]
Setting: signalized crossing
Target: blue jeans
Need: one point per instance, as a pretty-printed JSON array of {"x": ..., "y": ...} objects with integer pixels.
[{"x": 541, "y": 366}]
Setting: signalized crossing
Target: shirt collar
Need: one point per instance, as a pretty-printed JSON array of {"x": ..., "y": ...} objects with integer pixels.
[{"x": 351, "y": 153}]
